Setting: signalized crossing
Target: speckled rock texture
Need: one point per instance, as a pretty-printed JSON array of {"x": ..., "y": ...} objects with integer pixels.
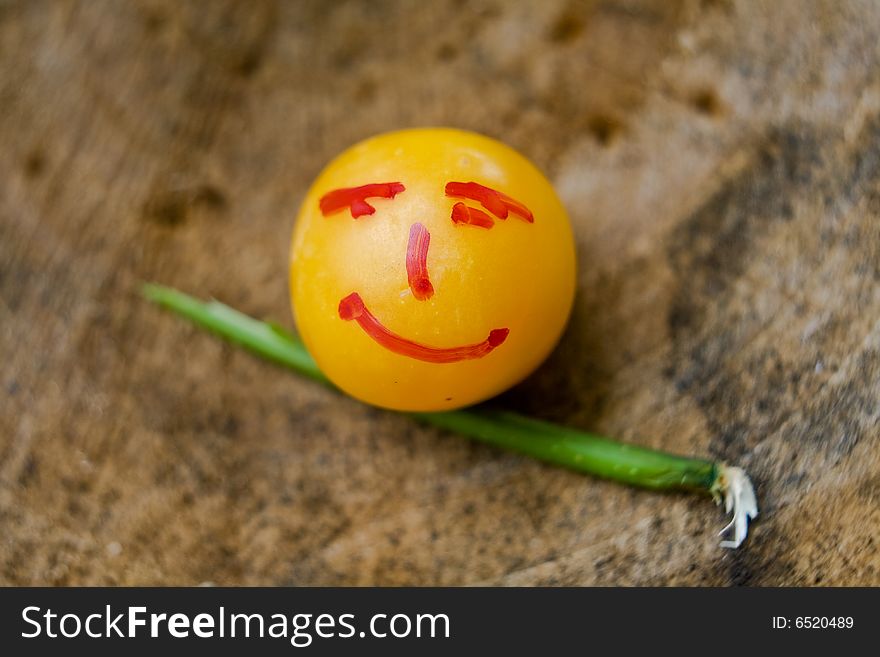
[{"x": 721, "y": 165}]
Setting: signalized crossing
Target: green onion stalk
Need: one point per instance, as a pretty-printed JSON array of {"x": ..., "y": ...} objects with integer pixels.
[{"x": 563, "y": 446}]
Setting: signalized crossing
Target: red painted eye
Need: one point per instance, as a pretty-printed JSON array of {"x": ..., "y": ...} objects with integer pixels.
[
  {"x": 352, "y": 308},
  {"x": 417, "y": 262},
  {"x": 462, "y": 214},
  {"x": 494, "y": 201},
  {"x": 354, "y": 198}
]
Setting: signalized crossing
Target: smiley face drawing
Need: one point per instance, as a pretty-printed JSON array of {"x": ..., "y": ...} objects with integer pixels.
[{"x": 430, "y": 269}]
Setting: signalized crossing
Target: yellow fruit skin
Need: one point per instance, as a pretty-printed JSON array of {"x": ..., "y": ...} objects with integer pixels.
[{"x": 516, "y": 275}]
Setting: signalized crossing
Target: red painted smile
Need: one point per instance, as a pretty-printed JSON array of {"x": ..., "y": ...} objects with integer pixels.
[{"x": 352, "y": 307}]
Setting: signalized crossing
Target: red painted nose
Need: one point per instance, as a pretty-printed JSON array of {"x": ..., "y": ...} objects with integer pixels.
[{"x": 417, "y": 262}]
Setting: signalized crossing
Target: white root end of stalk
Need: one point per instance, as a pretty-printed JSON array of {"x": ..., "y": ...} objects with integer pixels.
[{"x": 735, "y": 488}]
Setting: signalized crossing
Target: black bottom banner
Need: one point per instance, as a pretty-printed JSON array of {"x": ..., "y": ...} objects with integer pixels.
[{"x": 276, "y": 621}]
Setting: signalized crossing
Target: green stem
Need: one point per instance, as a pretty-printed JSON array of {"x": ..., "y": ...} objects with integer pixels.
[
  {"x": 267, "y": 340},
  {"x": 577, "y": 450}
]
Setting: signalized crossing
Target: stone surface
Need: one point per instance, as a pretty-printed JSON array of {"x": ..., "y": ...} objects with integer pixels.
[{"x": 721, "y": 164}]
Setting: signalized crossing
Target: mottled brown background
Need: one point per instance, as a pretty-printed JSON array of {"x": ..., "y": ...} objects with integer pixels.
[{"x": 721, "y": 164}]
